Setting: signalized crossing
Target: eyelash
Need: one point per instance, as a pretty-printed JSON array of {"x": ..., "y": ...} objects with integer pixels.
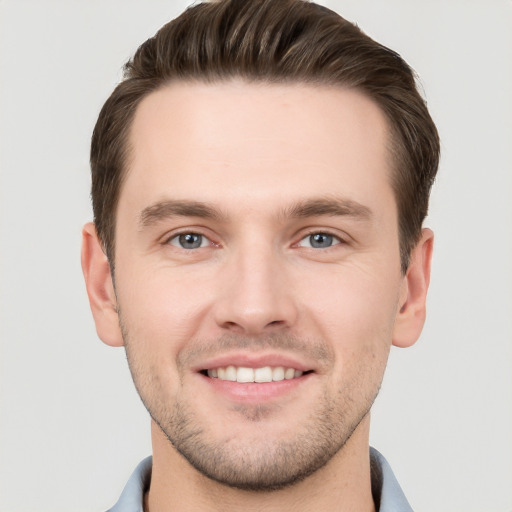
[
  {"x": 337, "y": 240},
  {"x": 168, "y": 240}
]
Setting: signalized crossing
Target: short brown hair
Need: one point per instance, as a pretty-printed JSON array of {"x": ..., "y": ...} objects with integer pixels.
[{"x": 272, "y": 41}]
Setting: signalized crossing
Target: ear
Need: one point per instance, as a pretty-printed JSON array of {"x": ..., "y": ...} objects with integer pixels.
[
  {"x": 100, "y": 288},
  {"x": 411, "y": 316}
]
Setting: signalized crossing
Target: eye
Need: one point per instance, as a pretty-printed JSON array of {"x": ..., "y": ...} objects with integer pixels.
[
  {"x": 189, "y": 241},
  {"x": 319, "y": 241}
]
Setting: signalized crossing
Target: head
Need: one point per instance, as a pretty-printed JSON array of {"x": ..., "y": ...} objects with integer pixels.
[
  {"x": 290, "y": 41},
  {"x": 260, "y": 179}
]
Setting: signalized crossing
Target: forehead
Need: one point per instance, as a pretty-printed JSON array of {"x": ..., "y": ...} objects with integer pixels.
[{"x": 256, "y": 143}]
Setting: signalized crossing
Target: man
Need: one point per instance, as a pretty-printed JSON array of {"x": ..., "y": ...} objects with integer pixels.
[{"x": 259, "y": 182}]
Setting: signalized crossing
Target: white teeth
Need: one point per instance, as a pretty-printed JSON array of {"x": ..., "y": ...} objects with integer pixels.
[
  {"x": 230, "y": 373},
  {"x": 278, "y": 373},
  {"x": 244, "y": 374},
  {"x": 289, "y": 373},
  {"x": 263, "y": 374}
]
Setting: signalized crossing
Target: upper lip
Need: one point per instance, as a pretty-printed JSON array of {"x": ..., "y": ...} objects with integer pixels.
[{"x": 251, "y": 360}]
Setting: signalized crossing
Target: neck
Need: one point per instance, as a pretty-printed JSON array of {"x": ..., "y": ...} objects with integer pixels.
[{"x": 343, "y": 484}]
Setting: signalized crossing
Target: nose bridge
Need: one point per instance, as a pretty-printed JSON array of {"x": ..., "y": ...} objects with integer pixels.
[{"x": 256, "y": 296}]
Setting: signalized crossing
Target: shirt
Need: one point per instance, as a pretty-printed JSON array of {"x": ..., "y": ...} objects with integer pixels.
[{"x": 387, "y": 494}]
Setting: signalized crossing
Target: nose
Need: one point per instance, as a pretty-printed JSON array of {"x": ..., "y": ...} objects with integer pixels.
[{"x": 256, "y": 295}]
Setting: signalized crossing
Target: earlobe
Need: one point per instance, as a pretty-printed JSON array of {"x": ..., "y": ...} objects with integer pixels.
[
  {"x": 412, "y": 308},
  {"x": 100, "y": 288}
]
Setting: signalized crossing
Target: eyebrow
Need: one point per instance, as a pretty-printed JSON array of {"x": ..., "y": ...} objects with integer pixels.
[
  {"x": 315, "y": 207},
  {"x": 177, "y": 208},
  {"x": 330, "y": 206}
]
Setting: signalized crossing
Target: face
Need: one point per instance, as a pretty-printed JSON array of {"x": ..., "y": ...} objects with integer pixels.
[{"x": 258, "y": 273}]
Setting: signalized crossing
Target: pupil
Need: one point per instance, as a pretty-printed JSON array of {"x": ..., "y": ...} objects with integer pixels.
[
  {"x": 320, "y": 240},
  {"x": 190, "y": 241}
]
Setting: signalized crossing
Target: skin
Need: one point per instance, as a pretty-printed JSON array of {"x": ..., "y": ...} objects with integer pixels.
[{"x": 241, "y": 165}]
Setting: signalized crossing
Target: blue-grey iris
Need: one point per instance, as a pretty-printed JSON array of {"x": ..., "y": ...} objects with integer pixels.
[
  {"x": 321, "y": 240},
  {"x": 190, "y": 240}
]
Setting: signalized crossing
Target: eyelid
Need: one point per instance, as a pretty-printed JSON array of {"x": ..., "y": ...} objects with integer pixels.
[
  {"x": 192, "y": 230},
  {"x": 205, "y": 241},
  {"x": 341, "y": 239}
]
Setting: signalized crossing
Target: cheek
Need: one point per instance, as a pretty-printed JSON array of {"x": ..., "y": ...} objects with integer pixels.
[
  {"x": 353, "y": 309},
  {"x": 356, "y": 317},
  {"x": 158, "y": 314},
  {"x": 161, "y": 309}
]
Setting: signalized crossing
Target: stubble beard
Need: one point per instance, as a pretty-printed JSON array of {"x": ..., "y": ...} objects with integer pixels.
[
  {"x": 257, "y": 466},
  {"x": 262, "y": 464}
]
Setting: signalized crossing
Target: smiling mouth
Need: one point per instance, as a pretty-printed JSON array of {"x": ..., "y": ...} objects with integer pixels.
[{"x": 259, "y": 375}]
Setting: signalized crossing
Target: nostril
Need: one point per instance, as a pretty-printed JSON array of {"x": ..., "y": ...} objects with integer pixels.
[
  {"x": 233, "y": 327},
  {"x": 276, "y": 323}
]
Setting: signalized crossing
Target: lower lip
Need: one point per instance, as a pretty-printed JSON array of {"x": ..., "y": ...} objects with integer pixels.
[{"x": 255, "y": 391}]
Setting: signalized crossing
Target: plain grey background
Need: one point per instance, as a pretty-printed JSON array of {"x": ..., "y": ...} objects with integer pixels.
[{"x": 71, "y": 425}]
